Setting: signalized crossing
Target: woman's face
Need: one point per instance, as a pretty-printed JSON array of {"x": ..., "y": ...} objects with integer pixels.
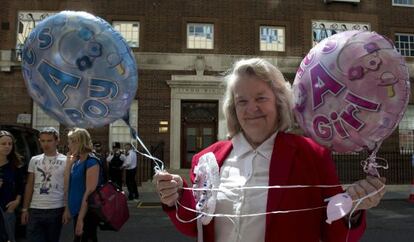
[
  {"x": 73, "y": 146},
  {"x": 6, "y": 145},
  {"x": 255, "y": 108}
]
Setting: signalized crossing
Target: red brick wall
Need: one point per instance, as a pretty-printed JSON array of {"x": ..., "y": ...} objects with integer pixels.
[
  {"x": 13, "y": 97},
  {"x": 163, "y": 23}
]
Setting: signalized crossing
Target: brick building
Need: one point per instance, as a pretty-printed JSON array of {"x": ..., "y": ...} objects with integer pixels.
[{"x": 182, "y": 48}]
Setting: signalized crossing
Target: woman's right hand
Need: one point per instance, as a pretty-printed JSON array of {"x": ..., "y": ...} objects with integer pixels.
[
  {"x": 71, "y": 157},
  {"x": 169, "y": 187}
]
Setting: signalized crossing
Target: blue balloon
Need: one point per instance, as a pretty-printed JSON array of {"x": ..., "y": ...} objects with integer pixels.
[{"x": 79, "y": 70}]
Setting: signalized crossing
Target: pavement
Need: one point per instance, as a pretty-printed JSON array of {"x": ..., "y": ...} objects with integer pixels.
[
  {"x": 392, "y": 220},
  {"x": 397, "y": 192}
]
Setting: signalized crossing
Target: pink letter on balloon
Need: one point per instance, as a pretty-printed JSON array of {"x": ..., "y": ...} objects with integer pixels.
[
  {"x": 322, "y": 83},
  {"x": 322, "y": 128}
]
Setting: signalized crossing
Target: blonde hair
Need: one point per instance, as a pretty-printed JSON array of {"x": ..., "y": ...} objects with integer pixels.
[
  {"x": 83, "y": 138},
  {"x": 271, "y": 75}
]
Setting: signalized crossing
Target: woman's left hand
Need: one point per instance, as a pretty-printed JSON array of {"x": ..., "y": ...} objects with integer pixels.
[
  {"x": 364, "y": 187},
  {"x": 79, "y": 227},
  {"x": 11, "y": 206}
]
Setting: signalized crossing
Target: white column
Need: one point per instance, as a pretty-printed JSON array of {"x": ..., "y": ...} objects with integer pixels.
[
  {"x": 222, "y": 124},
  {"x": 175, "y": 132}
]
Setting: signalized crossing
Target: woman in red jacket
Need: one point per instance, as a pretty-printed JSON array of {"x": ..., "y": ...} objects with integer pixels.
[{"x": 257, "y": 107}]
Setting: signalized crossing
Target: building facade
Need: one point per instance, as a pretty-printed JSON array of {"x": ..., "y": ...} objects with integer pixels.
[{"x": 183, "y": 48}]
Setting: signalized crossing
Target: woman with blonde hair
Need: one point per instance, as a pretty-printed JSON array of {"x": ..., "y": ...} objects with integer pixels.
[
  {"x": 11, "y": 181},
  {"x": 260, "y": 152},
  {"x": 82, "y": 174}
]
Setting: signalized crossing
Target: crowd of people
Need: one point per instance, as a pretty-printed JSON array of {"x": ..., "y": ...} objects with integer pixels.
[{"x": 57, "y": 186}]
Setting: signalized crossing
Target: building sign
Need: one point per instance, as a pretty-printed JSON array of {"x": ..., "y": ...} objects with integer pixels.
[
  {"x": 24, "y": 118},
  {"x": 322, "y": 29}
]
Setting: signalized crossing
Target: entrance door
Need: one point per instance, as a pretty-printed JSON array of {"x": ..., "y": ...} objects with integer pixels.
[{"x": 199, "y": 128}]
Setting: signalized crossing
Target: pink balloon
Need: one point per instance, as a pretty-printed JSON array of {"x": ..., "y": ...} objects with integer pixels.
[{"x": 351, "y": 91}]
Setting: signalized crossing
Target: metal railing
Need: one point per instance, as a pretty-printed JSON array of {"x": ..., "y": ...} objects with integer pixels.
[
  {"x": 348, "y": 166},
  {"x": 146, "y": 166},
  {"x": 399, "y": 170}
]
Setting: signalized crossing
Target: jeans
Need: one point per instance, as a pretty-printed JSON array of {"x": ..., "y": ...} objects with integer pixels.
[
  {"x": 44, "y": 225},
  {"x": 10, "y": 222}
]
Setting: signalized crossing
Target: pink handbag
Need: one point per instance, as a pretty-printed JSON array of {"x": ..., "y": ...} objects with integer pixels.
[{"x": 110, "y": 206}]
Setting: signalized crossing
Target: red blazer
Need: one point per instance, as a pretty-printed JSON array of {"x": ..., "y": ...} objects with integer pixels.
[{"x": 295, "y": 161}]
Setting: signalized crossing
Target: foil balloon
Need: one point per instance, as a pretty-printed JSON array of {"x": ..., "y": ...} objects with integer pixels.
[
  {"x": 338, "y": 207},
  {"x": 207, "y": 176},
  {"x": 79, "y": 70},
  {"x": 351, "y": 91}
]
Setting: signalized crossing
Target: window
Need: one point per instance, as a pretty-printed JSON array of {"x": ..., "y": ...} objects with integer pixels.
[
  {"x": 272, "y": 38},
  {"x": 200, "y": 36},
  {"x": 26, "y": 22},
  {"x": 404, "y": 3},
  {"x": 129, "y": 30},
  {"x": 322, "y": 29},
  {"x": 42, "y": 120},
  {"x": 119, "y": 131},
  {"x": 405, "y": 44},
  {"x": 406, "y": 131}
]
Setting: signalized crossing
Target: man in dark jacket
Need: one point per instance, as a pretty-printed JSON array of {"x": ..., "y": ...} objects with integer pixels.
[{"x": 115, "y": 163}]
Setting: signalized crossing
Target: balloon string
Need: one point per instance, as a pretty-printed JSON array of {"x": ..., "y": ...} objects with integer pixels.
[
  {"x": 201, "y": 213},
  {"x": 264, "y": 187},
  {"x": 241, "y": 215},
  {"x": 358, "y": 202},
  {"x": 158, "y": 164},
  {"x": 370, "y": 164}
]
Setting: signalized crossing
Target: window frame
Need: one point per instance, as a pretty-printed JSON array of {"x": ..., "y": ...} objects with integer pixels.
[
  {"x": 36, "y": 16},
  {"x": 203, "y": 24},
  {"x": 278, "y": 28},
  {"x": 405, "y": 132},
  {"x": 350, "y": 25},
  {"x": 130, "y": 22},
  {"x": 402, "y": 4},
  {"x": 410, "y": 43}
]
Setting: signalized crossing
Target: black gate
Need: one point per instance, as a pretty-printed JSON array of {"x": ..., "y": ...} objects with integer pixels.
[{"x": 400, "y": 170}]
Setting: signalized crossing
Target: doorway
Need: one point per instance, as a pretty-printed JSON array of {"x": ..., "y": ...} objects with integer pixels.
[{"x": 199, "y": 128}]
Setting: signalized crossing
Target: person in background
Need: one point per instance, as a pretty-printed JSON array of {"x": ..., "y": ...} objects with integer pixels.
[
  {"x": 44, "y": 198},
  {"x": 82, "y": 176},
  {"x": 11, "y": 184},
  {"x": 97, "y": 150},
  {"x": 258, "y": 110},
  {"x": 116, "y": 161},
  {"x": 130, "y": 166}
]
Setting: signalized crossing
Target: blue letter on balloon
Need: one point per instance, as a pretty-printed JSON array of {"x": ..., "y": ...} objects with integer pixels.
[
  {"x": 103, "y": 88},
  {"x": 57, "y": 80},
  {"x": 45, "y": 38},
  {"x": 95, "y": 109}
]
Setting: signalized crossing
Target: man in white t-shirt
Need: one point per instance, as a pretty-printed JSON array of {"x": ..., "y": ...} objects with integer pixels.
[{"x": 44, "y": 199}]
